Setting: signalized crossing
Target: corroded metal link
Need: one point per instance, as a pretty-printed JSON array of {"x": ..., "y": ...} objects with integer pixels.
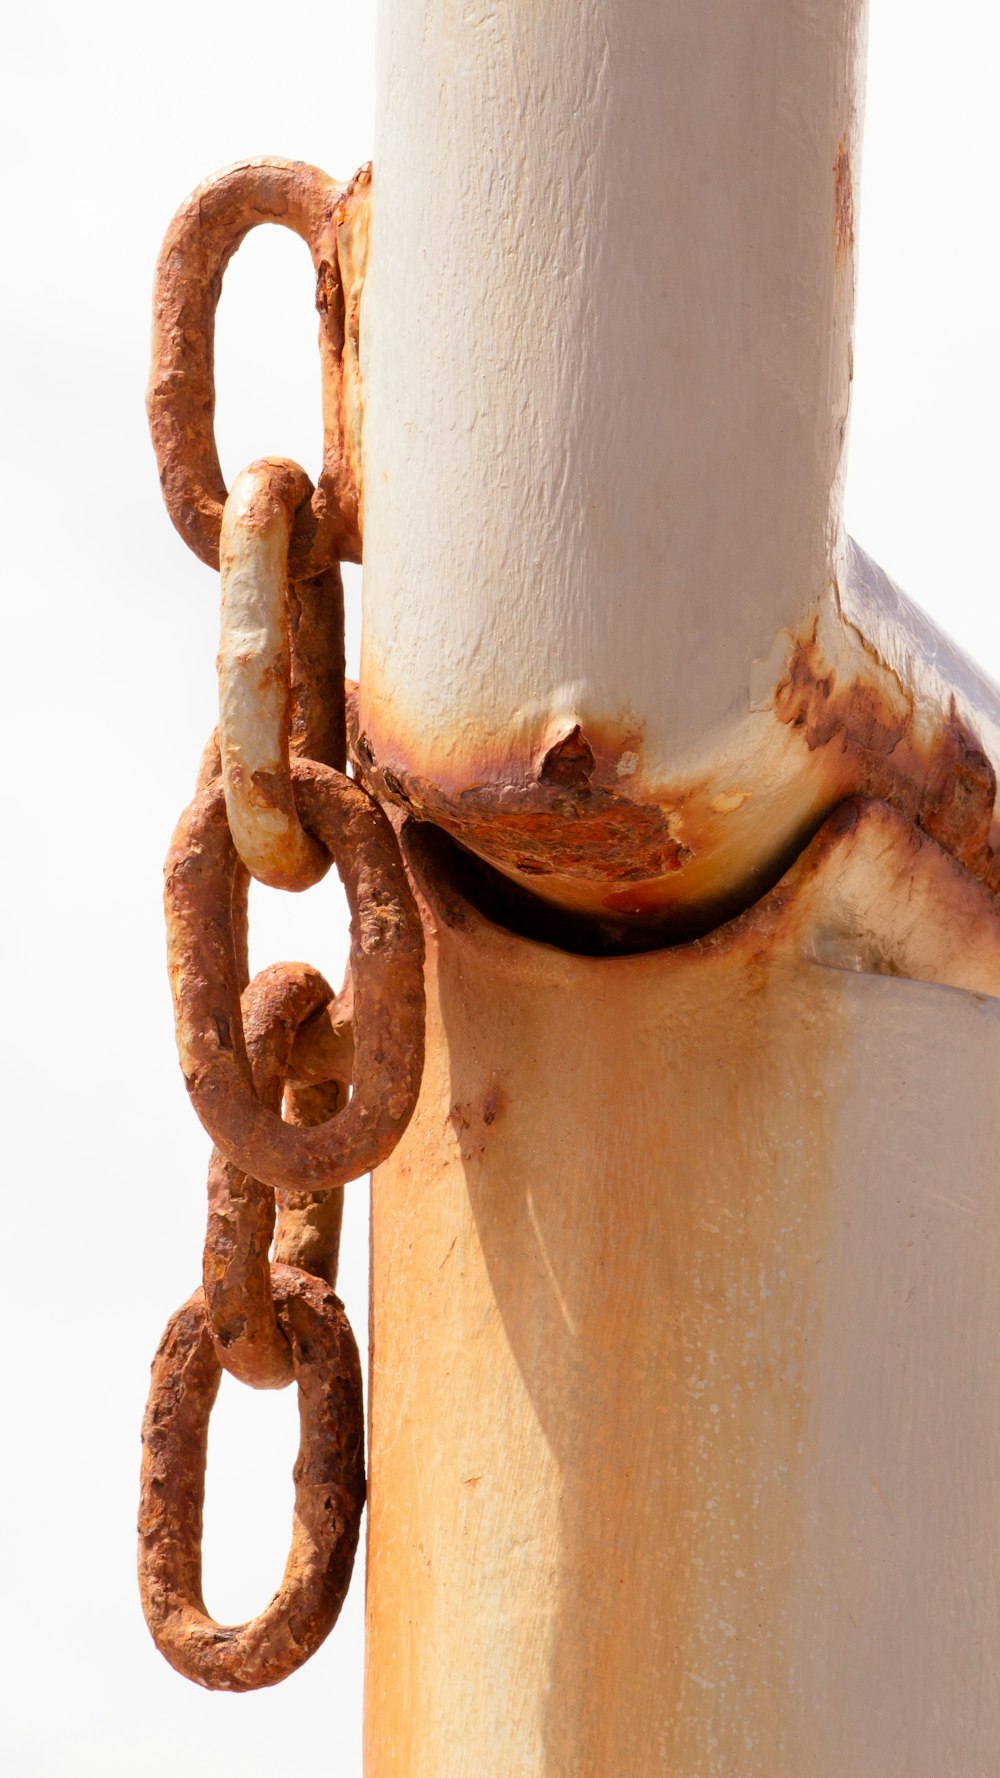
[
  {"x": 201, "y": 240},
  {"x": 386, "y": 967},
  {"x": 255, "y": 677},
  {"x": 324, "y": 1045},
  {"x": 307, "y": 1231},
  {"x": 209, "y": 769},
  {"x": 329, "y": 1493},
  {"x": 318, "y": 728},
  {"x": 236, "y": 1269}
]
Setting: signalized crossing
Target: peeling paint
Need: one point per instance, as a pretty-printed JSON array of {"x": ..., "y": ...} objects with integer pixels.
[{"x": 946, "y": 786}]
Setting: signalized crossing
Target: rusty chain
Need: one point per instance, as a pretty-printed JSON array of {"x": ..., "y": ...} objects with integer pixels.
[{"x": 301, "y": 1090}]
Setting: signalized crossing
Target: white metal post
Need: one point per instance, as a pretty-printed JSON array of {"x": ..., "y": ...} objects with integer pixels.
[{"x": 684, "y": 1447}]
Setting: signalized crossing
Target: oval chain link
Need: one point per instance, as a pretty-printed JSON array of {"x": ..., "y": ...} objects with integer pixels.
[
  {"x": 255, "y": 677},
  {"x": 329, "y": 1493},
  {"x": 201, "y": 240}
]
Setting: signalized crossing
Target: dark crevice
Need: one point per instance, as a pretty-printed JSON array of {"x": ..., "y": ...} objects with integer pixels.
[{"x": 462, "y": 877}]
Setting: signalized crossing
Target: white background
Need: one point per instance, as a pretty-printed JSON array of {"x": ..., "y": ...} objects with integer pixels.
[{"x": 112, "y": 114}]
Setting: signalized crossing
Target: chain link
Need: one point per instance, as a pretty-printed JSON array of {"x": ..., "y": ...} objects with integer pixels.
[
  {"x": 329, "y": 1492},
  {"x": 255, "y": 677},
  {"x": 198, "y": 246}
]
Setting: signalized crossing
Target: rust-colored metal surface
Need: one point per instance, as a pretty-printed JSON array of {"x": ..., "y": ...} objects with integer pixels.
[
  {"x": 866, "y": 735},
  {"x": 317, "y": 719},
  {"x": 353, "y": 224},
  {"x": 329, "y": 1493},
  {"x": 201, "y": 240},
  {"x": 843, "y": 201},
  {"x": 571, "y": 818},
  {"x": 320, "y": 1071},
  {"x": 241, "y": 1211},
  {"x": 324, "y": 1045},
  {"x": 615, "y": 672},
  {"x": 386, "y": 968},
  {"x": 307, "y": 1230}
]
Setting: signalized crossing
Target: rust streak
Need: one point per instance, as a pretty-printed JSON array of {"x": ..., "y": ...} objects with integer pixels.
[{"x": 843, "y": 202}]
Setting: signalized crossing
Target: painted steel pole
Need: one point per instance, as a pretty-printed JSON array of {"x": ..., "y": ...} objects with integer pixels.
[
  {"x": 684, "y": 1452},
  {"x": 615, "y": 638}
]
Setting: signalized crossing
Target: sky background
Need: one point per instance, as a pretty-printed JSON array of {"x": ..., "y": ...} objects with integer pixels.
[{"x": 112, "y": 115}]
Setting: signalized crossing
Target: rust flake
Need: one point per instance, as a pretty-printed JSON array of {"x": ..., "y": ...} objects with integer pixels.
[
  {"x": 568, "y": 817},
  {"x": 571, "y": 761}
]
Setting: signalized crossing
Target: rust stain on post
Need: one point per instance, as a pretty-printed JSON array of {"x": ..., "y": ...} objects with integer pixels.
[
  {"x": 843, "y": 202},
  {"x": 865, "y": 738},
  {"x": 643, "y": 852},
  {"x": 649, "y": 1310},
  {"x": 569, "y": 817}
]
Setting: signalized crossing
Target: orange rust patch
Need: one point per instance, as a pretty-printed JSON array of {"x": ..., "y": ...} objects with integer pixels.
[
  {"x": 636, "y": 899},
  {"x": 471, "y": 1121},
  {"x": 645, "y": 854},
  {"x": 843, "y": 202},
  {"x": 947, "y": 788},
  {"x": 568, "y": 819}
]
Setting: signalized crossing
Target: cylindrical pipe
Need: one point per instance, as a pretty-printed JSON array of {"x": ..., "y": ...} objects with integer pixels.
[
  {"x": 606, "y": 363},
  {"x": 615, "y": 639}
]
